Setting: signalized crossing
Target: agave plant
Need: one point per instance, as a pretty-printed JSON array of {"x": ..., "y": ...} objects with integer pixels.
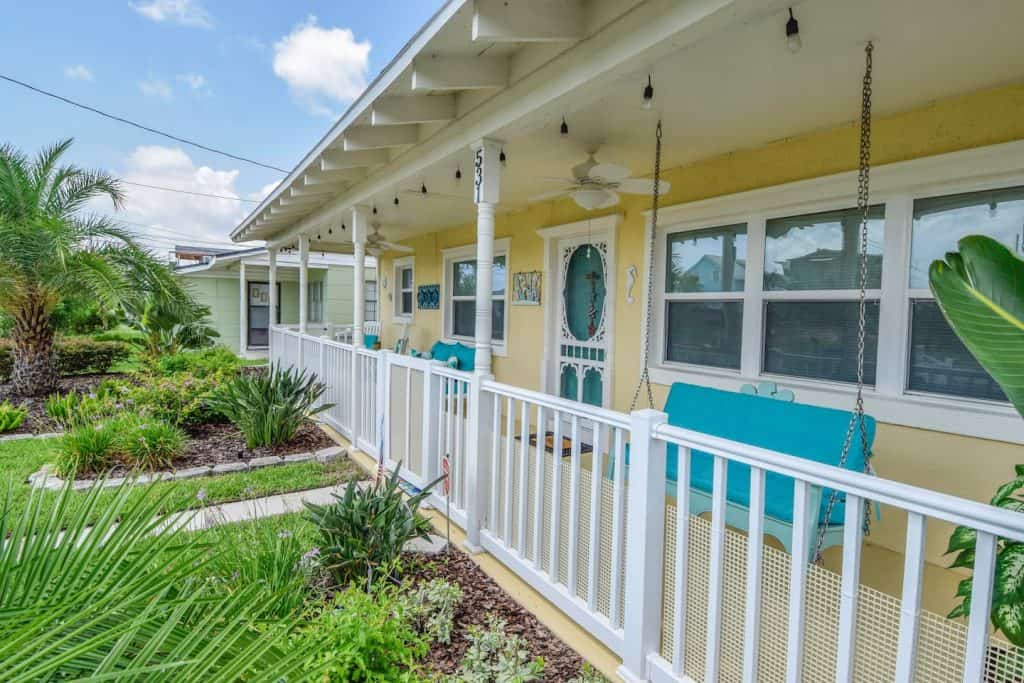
[
  {"x": 128, "y": 601},
  {"x": 270, "y": 407}
]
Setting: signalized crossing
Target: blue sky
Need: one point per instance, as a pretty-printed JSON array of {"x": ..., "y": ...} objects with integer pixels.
[{"x": 260, "y": 79}]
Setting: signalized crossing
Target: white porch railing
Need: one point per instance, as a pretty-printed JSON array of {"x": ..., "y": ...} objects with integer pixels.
[{"x": 677, "y": 597}]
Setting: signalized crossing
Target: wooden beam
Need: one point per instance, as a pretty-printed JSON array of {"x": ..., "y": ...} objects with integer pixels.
[
  {"x": 339, "y": 160},
  {"x": 284, "y": 210},
  {"x": 307, "y": 200},
  {"x": 342, "y": 175},
  {"x": 459, "y": 73},
  {"x": 391, "y": 111},
  {"x": 539, "y": 21},
  {"x": 316, "y": 190},
  {"x": 367, "y": 137}
]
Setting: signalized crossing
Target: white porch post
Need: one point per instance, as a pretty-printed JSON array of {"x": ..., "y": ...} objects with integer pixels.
[
  {"x": 243, "y": 310},
  {"x": 486, "y": 188},
  {"x": 360, "y": 219},
  {"x": 272, "y": 316},
  {"x": 303, "y": 282},
  {"x": 645, "y": 545}
]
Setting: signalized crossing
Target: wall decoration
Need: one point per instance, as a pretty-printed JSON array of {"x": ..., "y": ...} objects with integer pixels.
[
  {"x": 428, "y": 297},
  {"x": 630, "y": 281},
  {"x": 526, "y": 288}
]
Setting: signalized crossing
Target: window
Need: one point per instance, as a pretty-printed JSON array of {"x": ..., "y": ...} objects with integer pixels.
[
  {"x": 819, "y": 256},
  {"x": 460, "y": 293},
  {"x": 704, "y": 282},
  {"x": 939, "y": 363},
  {"x": 404, "y": 285},
  {"x": 370, "y": 301},
  {"x": 315, "y": 305}
]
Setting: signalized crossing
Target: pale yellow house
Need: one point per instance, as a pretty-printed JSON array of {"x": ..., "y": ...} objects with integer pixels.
[{"x": 456, "y": 155}]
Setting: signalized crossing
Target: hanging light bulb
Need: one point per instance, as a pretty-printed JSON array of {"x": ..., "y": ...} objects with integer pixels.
[
  {"x": 318, "y": 237},
  {"x": 423, "y": 188},
  {"x": 458, "y": 174},
  {"x": 502, "y": 158},
  {"x": 375, "y": 209},
  {"x": 343, "y": 227},
  {"x": 330, "y": 230},
  {"x": 793, "y": 41},
  {"x": 648, "y": 100},
  {"x": 396, "y": 200},
  {"x": 565, "y": 128}
]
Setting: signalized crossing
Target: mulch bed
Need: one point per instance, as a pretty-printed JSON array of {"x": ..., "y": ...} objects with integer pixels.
[
  {"x": 38, "y": 422},
  {"x": 482, "y": 596}
]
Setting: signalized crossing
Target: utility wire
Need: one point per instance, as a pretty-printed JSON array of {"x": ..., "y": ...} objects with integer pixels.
[
  {"x": 148, "y": 129},
  {"x": 197, "y": 194}
]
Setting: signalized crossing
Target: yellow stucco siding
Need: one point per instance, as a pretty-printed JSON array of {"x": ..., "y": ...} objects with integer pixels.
[{"x": 967, "y": 467}]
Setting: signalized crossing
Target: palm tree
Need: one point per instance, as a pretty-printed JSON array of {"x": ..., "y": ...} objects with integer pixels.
[{"x": 50, "y": 248}]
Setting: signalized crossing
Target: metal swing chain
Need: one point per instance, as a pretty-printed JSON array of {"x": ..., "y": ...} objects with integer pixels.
[
  {"x": 863, "y": 208},
  {"x": 645, "y": 375}
]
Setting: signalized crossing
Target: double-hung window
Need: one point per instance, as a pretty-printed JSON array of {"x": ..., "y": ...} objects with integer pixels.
[
  {"x": 315, "y": 307},
  {"x": 370, "y": 301},
  {"x": 404, "y": 285},
  {"x": 460, "y": 293}
]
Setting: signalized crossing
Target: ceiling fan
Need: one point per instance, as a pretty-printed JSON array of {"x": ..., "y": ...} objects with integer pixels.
[
  {"x": 595, "y": 185},
  {"x": 377, "y": 245}
]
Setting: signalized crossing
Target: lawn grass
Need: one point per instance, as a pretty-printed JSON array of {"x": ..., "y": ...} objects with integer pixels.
[{"x": 18, "y": 459}]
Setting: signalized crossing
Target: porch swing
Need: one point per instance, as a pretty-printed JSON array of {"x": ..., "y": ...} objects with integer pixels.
[{"x": 824, "y": 435}]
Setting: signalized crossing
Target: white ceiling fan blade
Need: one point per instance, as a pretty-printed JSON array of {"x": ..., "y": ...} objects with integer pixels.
[
  {"x": 610, "y": 172},
  {"x": 550, "y": 195},
  {"x": 613, "y": 199},
  {"x": 642, "y": 186},
  {"x": 555, "y": 179}
]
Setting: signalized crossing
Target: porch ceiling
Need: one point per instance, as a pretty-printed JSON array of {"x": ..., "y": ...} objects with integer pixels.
[{"x": 724, "y": 81}]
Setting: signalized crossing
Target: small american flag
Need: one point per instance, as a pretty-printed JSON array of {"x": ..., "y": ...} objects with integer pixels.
[{"x": 380, "y": 450}]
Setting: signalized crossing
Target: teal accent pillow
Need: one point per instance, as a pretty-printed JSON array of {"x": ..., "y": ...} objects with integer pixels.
[
  {"x": 453, "y": 362},
  {"x": 370, "y": 340}
]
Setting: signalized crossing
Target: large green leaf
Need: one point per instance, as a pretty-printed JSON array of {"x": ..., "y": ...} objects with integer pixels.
[{"x": 980, "y": 289}]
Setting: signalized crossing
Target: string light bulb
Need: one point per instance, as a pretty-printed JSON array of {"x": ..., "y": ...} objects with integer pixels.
[
  {"x": 793, "y": 41},
  {"x": 458, "y": 174},
  {"x": 330, "y": 230},
  {"x": 565, "y": 128},
  {"x": 648, "y": 100},
  {"x": 423, "y": 188},
  {"x": 375, "y": 209},
  {"x": 396, "y": 200},
  {"x": 502, "y": 158}
]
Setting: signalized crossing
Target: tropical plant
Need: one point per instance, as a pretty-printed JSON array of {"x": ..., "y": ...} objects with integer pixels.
[
  {"x": 129, "y": 600},
  {"x": 358, "y": 639},
  {"x": 364, "y": 530},
  {"x": 180, "y": 399},
  {"x": 980, "y": 291},
  {"x": 495, "y": 656},
  {"x": 201, "y": 363},
  {"x": 50, "y": 250},
  {"x": 11, "y": 416},
  {"x": 270, "y": 407},
  {"x": 168, "y": 325}
]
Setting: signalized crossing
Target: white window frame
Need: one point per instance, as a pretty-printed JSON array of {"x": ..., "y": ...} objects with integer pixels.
[
  {"x": 315, "y": 304},
  {"x": 406, "y": 263},
  {"x": 895, "y": 186},
  {"x": 464, "y": 253}
]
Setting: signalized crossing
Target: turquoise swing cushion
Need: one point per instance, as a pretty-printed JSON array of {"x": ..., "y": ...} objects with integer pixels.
[
  {"x": 464, "y": 355},
  {"x": 370, "y": 340},
  {"x": 809, "y": 432}
]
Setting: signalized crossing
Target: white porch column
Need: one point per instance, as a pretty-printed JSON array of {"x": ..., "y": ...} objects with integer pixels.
[
  {"x": 360, "y": 223},
  {"x": 486, "y": 190},
  {"x": 243, "y": 310},
  {"x": 272, "y": 283},
  {"x": 303, "y": 282}
]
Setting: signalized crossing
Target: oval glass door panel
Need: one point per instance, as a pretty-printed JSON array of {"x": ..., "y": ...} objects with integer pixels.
[{"x": 584, "y": 292}]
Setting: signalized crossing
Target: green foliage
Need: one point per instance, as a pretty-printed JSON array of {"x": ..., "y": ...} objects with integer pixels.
[
  {"x": 269, "y": 407},
  {"x": 121, "y": 333},
  {"x": 79, "y": 314},
  {"x": 494, "y": 656},
  {"x": 180, "y": 399},
  {"x": 74, "y": 356},
  {"x": 11, "y": 416},
  {"x": 170, "y": 324},
  {"x": 127, "y": 439},
  {"x": 364, "y": 530},
  {"x": 201, "y": 363},
  {"x": 130, "y": 603},
  {"x": 87, "y": 448},
  {"x": 358, "y": 639},
  {"x": 1008, "y": 593},
  {"x": 589, "y": 674},
  {"x": 979, "y": 291},
  {"x": 430, "y": 608},
  {"x": 73, "y": 409}
]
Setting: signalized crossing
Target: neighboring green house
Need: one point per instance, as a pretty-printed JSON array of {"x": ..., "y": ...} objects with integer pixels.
[{"x": 235, "y": 285}]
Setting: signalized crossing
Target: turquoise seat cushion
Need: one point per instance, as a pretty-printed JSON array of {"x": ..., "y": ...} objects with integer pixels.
[
  {"x": 806, "y": 431},
  {"x": 444, "y": 352},
  {"x": 370, "y": 340}
]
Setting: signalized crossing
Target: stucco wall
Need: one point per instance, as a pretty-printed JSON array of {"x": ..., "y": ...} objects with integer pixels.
[{"x": 967, "y": 467}]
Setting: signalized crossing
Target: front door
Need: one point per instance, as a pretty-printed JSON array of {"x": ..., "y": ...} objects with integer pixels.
[
  {"x": 259, "y": 314},
  {"x": 582, "y": 338}
]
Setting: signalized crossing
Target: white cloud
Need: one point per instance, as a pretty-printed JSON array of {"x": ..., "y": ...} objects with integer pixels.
[
  {"x": 194, "y": 81},
  {"x": 184, "y": 12},
  {"x": 173, "y": 217},
  {"x": 78, "y": 72},
  {"x": 319, "y": 63},
  {"x": 155, "y": 88},
  {"x": 263, "y": 192}
]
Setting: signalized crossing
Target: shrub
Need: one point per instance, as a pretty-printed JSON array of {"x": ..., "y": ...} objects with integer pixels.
[
  {"x": 182, "y": 399},
  {"x": 494, "y": 656},
  {"x": 75, "y": 356},
  {"x": 145, "y": 443},
  {"x": 200, "y": 363},
  {"x": 73, "y": 409},
  {"x": 430, "y": 608},
  {"x": 269, "y": 407},
  {"x": 364, "y": 530},
  {"x": 87, "y": 448},
  {"x": 11, "y": 416},
  {"x": 123, "y": 334},
  {"x": 358, "y": 639}
]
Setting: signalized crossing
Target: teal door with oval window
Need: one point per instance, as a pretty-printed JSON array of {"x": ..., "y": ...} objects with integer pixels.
[{"x": 582, "y": 320}]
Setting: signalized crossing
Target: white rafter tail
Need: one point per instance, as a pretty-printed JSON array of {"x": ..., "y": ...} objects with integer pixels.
[
  {"x": 301, "y": 200},
  {"x": 405, "y": 109},
  {"x": 367, "y": 137},
  {"x": 315, "y": 190},
  {"x": 459, "y": 73},
  {"x": 333, "y": 177},
  {"x": 642, "y": 186},
  {"x": 340, "y": 160},
  {"x": 500, "y": 21},
  {"x": 609, "y": 172}
]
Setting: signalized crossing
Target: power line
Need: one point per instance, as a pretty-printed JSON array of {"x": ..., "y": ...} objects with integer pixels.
[
  {"x": 172, "y": 234},
  {"x": 197, "y": 194},
  {"x": 140, "y": 126}
]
